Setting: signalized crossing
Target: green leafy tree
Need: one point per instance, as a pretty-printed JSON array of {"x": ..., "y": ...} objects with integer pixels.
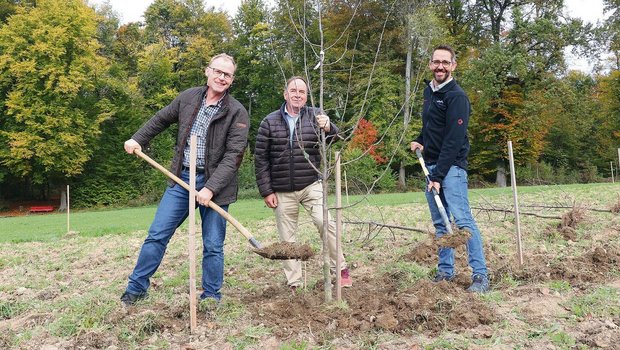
[
  {"x": 165, "y": 21},
  {"x": 611, "y": 30},
  {"x": 258, "y": 81},
  {"x": 9, "y": 7},
  {"x": 518, "y": 67},
  {"x": 49, "y": 84},
  {"x": 128, "y": 44},
  {"x": 606, "y": 136}
]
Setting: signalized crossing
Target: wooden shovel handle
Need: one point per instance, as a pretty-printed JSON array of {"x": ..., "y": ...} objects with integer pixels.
[{"x": 212, "y": 204}]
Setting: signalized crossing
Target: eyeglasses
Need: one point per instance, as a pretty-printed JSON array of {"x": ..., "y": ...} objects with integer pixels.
[
  {"x": 219, "y": 73},
  {"x": 436, "y": 63}
]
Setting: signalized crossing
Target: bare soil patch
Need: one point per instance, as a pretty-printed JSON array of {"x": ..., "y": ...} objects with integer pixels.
[{"x": 374, "y": 303}]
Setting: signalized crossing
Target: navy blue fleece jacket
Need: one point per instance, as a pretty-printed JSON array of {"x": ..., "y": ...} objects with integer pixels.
[{"x": 445, "y": 116}]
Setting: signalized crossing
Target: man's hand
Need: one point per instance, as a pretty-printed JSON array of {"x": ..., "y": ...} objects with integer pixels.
[
  {"x": 435, "y": 185},
  {"x": 203, "y": 197},
  {"x": 131, "y": 145},
  {"x": 323, "y": 121},
  {"x": 415, "y": 145},
  {"x": 271, "y": 200}
]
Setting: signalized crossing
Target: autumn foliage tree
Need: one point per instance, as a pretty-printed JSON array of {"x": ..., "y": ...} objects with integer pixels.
[
  {"x": 365, "y": 139},
  {"x": 363, "y": 157}
]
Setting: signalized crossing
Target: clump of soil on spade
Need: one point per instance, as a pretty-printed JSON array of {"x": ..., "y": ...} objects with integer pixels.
[
  {"x": 426, "y": 252},
  {"x": 457, "y": 239},
  {"x": 286, "y": 250}
]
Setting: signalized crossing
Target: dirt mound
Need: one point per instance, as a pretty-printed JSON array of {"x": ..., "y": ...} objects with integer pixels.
[
  {"x": 424, "y": 253},
  {"x": 615, "y": 208},
  {"x": 592, "y": 266},
  {"x": 455, "y": 240},
  {"x": 569, "y": 222},
  {"x": 372, "y": 304}
]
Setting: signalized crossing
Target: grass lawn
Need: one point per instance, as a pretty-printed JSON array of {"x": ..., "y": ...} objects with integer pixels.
[
  {"x": 61, "y": 291},
  {"x": 95, "y": 223}
]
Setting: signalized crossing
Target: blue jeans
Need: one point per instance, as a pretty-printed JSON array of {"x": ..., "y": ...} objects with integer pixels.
[
  {"x": 453, "y": 195},
  {"x": 172, "y": 211}
]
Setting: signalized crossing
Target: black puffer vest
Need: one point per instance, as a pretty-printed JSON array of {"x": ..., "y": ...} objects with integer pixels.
[{"x": 282, "y": 166}]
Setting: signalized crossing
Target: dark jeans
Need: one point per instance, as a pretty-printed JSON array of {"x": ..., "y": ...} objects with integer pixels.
[{"x": 172, "y": 211}]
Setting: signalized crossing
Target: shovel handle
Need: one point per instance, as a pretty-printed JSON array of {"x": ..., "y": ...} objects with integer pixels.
[
  {"x": 425, "y": 170},
  {"x": 421, "y": 160},
  {"x": 212, "y": 204},
  {"x": 442, "y": 209}
]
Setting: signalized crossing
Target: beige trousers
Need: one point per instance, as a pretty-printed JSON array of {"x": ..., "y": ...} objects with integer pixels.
[{"x": 287, "y": 219}]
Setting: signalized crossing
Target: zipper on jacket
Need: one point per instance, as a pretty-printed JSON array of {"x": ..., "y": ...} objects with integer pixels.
[
  {"x": 221, "y": 113},
  {"x": 291, "y": 164}
]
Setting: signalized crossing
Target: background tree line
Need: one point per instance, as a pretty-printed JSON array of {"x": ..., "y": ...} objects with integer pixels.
[{"x": 75, "y": 84}]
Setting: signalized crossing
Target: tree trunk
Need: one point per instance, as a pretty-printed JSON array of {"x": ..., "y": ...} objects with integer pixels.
[
  {"x": 402, "y": 179},
  {"x": 402, "y": 176},
  {"x": 500, "y": 178},
  {"x": 63, "y": 201},
  {"x": 327, "y": 285}
]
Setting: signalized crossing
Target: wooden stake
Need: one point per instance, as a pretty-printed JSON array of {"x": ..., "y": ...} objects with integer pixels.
[
  {"x": 346, "y": 187},
  {"x": 68, "y": 215},
  {"x": 338, "y": 226},
  {"x": 192, "y": 234},
  {"x": 513, "y": 182},
  {"x": 611, "y": 166}
]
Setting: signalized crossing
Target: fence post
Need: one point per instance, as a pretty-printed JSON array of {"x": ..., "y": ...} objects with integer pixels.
[
  {"x": 513, "y": 182},
  {"x": 338, "y": 225},
  {"x": 192, "y": 234},
  {"x": 68, "y": 215}
]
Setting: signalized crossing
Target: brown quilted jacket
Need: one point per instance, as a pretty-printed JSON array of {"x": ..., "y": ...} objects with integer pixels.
[{"x": 226, "y": 140}]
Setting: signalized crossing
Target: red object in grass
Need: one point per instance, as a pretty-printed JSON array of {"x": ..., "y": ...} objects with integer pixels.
[{"x": 41, "y": 209}]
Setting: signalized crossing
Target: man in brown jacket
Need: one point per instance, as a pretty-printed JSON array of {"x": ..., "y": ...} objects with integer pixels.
[{"x": 221, "y": 125}]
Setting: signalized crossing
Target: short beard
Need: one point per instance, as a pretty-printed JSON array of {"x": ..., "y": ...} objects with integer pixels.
[{"x": 447, "y": 76}]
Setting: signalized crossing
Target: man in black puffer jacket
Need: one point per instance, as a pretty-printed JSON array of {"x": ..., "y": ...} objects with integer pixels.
[{"x": 287, "y": 160}]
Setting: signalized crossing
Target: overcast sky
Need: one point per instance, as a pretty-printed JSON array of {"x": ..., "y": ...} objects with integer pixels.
[{"x": 132, "y": 10}]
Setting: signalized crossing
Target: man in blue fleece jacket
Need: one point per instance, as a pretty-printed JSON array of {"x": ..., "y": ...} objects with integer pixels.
[{"x": 443, "y": 139}]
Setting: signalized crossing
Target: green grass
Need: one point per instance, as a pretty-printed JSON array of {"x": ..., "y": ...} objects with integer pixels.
[
  {"x": 94, "y": 223},
  {"x": 97, "y": 223},
  {"x": 294, "y": 345},
  {"x": 602, "y": 302},
  {"x": 10, "y": 309},
  {"x": 562, "y": 340},
  {"x": 250, "y": 337},
  {"x": 560, "y": 286}
]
